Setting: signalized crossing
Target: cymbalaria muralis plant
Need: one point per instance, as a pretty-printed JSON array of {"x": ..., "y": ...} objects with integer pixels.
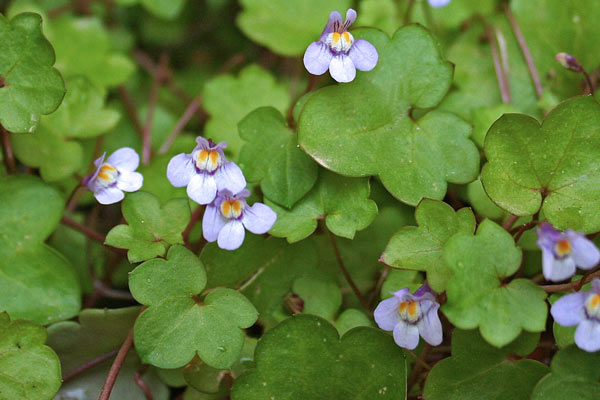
[{"x": 309, "y": 199}]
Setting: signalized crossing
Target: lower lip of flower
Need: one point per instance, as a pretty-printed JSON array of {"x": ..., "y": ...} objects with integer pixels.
[
  {"x": 232, "y": 209},
  {"x": 207, "y": 160}
]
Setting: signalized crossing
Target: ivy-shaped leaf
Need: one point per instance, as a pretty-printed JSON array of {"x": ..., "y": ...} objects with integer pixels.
[
  {"x": 351, "y": 318},
  {"x": 178, "y": 324},
  {"x": 303, "y": 357},
  {"x": 421, "y": 247},
  {"x": 228, "y": 99},
  {"x": 575, "y": 375},
  {"x": 287, "y": 28},
  {"x": 81, "y": 115},
  {"x": 553, "y": 167},
  {"x": 37, "y": 282},
  {"x": 476, "y": 294},
  {"x": 272, "y": 157},
  {"x": 321, "y": 298},
  {"x": 343, "y": 202},
  {"x": 151, "y": 228},
  {"x": 366, "y": 127},
  {"x": 161, "y": 8},
  {"x": 29, "y": 84},
  {"x": 477, "y": 370},
  {"x": 30, "y": 369}
]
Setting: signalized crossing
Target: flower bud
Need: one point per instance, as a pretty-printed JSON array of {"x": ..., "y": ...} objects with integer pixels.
[{"x": 569, "y": 62}]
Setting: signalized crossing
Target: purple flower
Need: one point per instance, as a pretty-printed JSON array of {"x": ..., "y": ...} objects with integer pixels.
[
  {"x": 582, "y": 309},
  {"x": 409, "y": 315},
  {"x": 438, "y": 3},
  {"x": 562, "y": 252},
  {"x": 205, "y": 171},
  {"x": 337, "y": 50},
  {"x": 226, "y": 217},
  {"x": 115, "y": 176}
]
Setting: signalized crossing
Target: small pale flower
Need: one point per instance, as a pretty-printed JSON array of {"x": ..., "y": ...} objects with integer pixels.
[
  {"x": 438, "y": 3},
  {"x": 114, "y": 176},
  {"x": 562, "y": 252},
  {"x": 337, "y": 50},
  {"x": 581, "y": 309},
  {"x": 226, "y": 217},
  {"x": 409, "y": 315},
  {"x": 205, "y": 171}
]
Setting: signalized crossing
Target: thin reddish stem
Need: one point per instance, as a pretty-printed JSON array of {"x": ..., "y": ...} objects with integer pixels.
[
  {"x": 115, "y": 368},
  {"x": 183, "y": 121},
  {"x": 500, "y": 73},
  {"x": 146, "y": 132},
  {"x": 510, "y": 222},
  {"x": 90, "y": 364},
  {"x": 196, "y": 215},
  {"x": 90, "y": 233},
  {"x": 131, "y": 109},
  {"x": 9, "y": 158},
  {"x": 572, "y": 285},
  {"x": 142, "y": 385}
]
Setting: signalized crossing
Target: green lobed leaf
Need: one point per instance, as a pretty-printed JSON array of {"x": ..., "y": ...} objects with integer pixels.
[
  {"x": 365, "y": 127},
  {"x": 321, "y": 298},
  {"x": 287, "y": 28},
  {"x": 552, "y": 167},
  {"x": 481, "y": 202},
  {"x": 286, "y": 174},
  {"x": 228, "y": 99},
  {"x": 303, "y": 357},
  {"x": 477, "y": 370},
  {"x": 164, "y": 9},
  {"x": 151, "y": 228},
  {"x": 476, "y": 294},
  {"x": 30, "y": 369},
  {"x": 575, "y": 375},
  {"x": 178, "y": 325},
  {"x": 421, "y": 247},
  {"x": 29, "y": 84},
  {"x": 342, "y": 202},
  {"x": 351, "y": 318},
  {"x": 37, "y": 282}
]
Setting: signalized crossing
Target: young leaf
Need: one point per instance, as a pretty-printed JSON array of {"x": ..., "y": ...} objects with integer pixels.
[
  {"x": 151, "y": 228},
  {"x": 320, "y": 297},
  {"x": 552, "y": 167},
  {"x": 228, "y": 99},
  {"x": 366, "y": 127},
  {"x": 421, "y": 248},
  {"x": 29, "y": 85},
  {"x": 477, "y": 370},
  {"x": 30, "y": 369},
  {"x": 476, "y": 295},
  {"x": 287, "y": 28},
  {"x": 272, "y": 157},
  {"x": 37, "y": 282},
  {"x": 343, "y": 202},
  {"x": 351, "y": 318},
  {"x": 303, "y": 357},
  {"x": 177, "y": 324}
]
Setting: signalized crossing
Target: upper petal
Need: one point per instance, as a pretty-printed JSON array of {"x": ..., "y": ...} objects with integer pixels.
[
  {"x": 180, "y": 170},
  {"x": 130, "y": 181},
  {"x": 317, "y": 58},
  {"x": 587, "y": 335},
  {"x": 259, "y": 218},
  {"x": 335, "y": 18},
  {"x": 584, "y": 251},
  {"x": 364, "y": 55},
  {"x": 430, "y": 326},
  {"x": 569, "y": 309},
  {"x": 406, "y": 335},
  {"x": 438, "y": 3},
  {"x": 124, "y": 159},
  {"x": 230, "y": 177},
  {"x": 231, "y": 235},
  {"x": 350, "y": 17},
  {"x": 556, "y": 269},
  {"x": 212, "y": 223},
  {"x": 386, "y": 314},
  {"x": 202, "y": 188},
  {"x": 109, "y": 195},
  {"x": 342, "y": 68}
]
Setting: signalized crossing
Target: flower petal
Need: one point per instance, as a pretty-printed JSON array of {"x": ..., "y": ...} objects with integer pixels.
[
  {"x": 99, "y": 161},
  {"x": 350, "y": 17},
  {"x": 556, "y": 269},
  {"x": 231, "y": 235},
  {"x": 202, "y": 142},
  {"x": 212, "y": 223},
  {"x": 230, "y": 177},
  {"x": 109, "y": 195},
  {"x": 386, "y": 314},
  {"x": 587, "y": 335},
  {"x": 180, "y": 170},
  {"x": 202, "y": 188},
  {"x": 430, "y": 326},
  {"x": 584, "y": 251},
  {"x": 364, "y": 55},
  {"x": 124, "y": 159},
  {"x": 317, "y": 58},
  {"x": 406, "y": 335},
  {"x": 342, "y": 69},
  {"x": 438, "y": 3},
  {"x": 334, "y": 17},
  {"x": 130, "y": 181},
  {"x": 569, "y": 309},
  {"x": 259, "y": 218}
]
